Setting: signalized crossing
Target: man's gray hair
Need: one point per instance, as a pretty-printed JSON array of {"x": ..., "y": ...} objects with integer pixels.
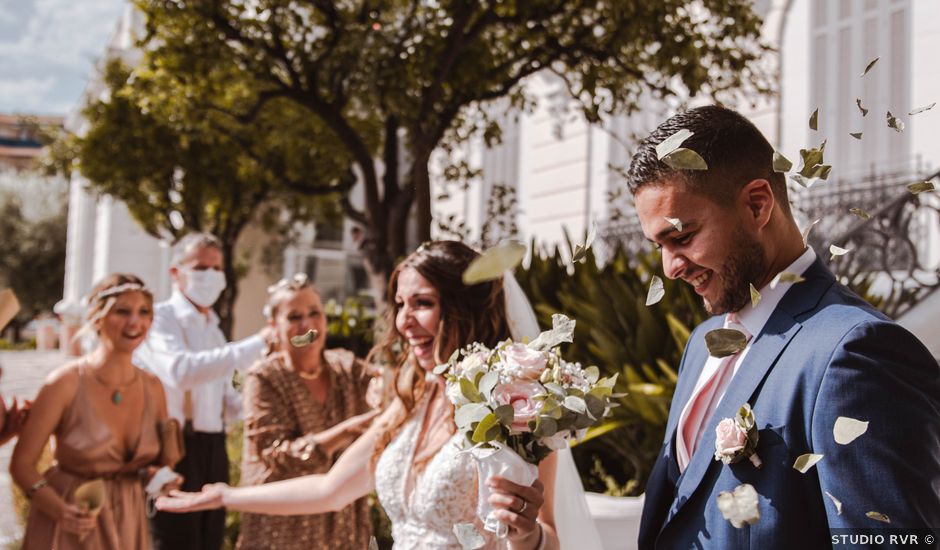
[{"x": 188, "y": 245}]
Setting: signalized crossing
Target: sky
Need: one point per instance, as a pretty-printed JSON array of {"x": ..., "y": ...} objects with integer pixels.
[{"x": 48, "y": 49}]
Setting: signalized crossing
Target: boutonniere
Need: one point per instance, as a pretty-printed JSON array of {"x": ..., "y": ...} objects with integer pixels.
[{"x": 736, "y": 438}]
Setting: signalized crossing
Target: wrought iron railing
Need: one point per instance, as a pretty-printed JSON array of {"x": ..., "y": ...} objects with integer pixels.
[{"x": 895, "y": 252}]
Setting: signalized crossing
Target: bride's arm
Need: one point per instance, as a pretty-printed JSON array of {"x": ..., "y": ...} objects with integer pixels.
[{"x": 350, "y": 478}]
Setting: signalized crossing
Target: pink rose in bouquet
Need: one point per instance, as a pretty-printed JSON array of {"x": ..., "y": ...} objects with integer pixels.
[
  {"x": 521, "y": 396},
  {"x": 524, "y": 362}
]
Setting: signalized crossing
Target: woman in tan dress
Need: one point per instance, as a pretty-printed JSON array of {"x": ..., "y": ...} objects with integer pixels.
[
  {"x": 303, "y": 405},
  {"x": 103, "y": 412}
]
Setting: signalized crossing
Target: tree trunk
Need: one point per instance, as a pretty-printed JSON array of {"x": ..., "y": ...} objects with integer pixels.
[
  {"x": 225, "y": 306},
  {"x": 421, "y": 179}
]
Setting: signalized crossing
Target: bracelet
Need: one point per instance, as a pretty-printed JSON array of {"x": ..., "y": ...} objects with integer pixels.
[
  {"x": 541, "y": 544},
  {"x": 32, "y": 489}
]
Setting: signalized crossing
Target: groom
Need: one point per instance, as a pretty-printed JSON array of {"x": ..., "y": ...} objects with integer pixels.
[{"x": 814, "y": 352}]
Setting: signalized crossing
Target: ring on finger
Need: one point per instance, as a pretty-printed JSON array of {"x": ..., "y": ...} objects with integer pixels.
[{"x": 524, "y": 504}]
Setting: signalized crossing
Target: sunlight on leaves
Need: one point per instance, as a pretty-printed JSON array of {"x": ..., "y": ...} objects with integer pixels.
[
  {"x": 723, "y": 342},
  {"x": 786, "y": 277},
  {"x": 878, "y": 516},
  {"x": 837, "y": 502},
  {"x": 685, "y": 159},
  {"x": 814, "y": 120},
  {"x": 468, "y": 536},
  {"x": 837, "y": 251},
  {"x": 676, "y": 222},
  {"x": 672, "y": 143},
  {"x": 493, "y": 262},
  {"x": 740, "y": 507},
  {"x": 856, "y": 135},
  {"x": 781, "y": 163},
  {"x": 805, "y": 462},
  {"x": 894, "y": 123},
  {"x": 847, "y": 430},
  {"x": 922, "y": 109},
  {"x": 755, "y": 296},
  {"x": 920, "y": 187},
  {"x": 656, "y": 291},
  {"x": 860, "y": 213},
  {"x": 870, "y": 65},
  {"x": 860, "y": 108}
]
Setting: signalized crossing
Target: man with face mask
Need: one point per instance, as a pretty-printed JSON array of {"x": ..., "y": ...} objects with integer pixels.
[{"x": 188, "y": 352}]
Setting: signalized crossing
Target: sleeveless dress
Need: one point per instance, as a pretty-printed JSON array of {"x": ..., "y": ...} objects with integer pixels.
[
  {"x": 86, "y": 449},
  {"x": 444, "y": 495}
]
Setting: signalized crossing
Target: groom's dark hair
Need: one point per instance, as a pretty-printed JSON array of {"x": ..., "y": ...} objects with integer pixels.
[{"x": 732, "y": 147}]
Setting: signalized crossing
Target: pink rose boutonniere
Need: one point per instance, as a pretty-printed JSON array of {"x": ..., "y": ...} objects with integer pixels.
[{"x": 736, "y": 438}]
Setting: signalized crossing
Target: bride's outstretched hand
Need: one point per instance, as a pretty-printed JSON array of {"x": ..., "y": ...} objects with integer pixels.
[
  {"x": 209, "y": 498},
  {"x": 518, "y": 507}
]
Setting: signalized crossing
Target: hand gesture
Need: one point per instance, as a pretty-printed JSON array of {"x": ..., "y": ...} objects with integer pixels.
[
  {"x": 336, "y": 439},
  {"x": 77, "y": 521},
  {"x": 178, "y": 502},
  {"x": 518, "y": 507}
]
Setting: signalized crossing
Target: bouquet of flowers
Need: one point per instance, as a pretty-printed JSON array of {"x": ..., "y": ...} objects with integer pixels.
[{"x": 518, "y": 402}]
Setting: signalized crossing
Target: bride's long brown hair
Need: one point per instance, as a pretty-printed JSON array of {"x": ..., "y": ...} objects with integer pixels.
[{"x": 474, "y": 313}]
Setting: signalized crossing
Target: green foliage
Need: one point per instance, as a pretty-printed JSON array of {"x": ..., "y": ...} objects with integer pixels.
[
  {"x": 618, "y": 333},
  {"x": 350, "y": 325}
]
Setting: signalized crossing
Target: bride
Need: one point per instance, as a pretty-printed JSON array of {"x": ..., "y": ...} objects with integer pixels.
[{"x": 411, "y": 455}]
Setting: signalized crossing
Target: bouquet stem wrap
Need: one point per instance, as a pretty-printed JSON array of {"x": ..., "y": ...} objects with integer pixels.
[{"x": 504, "y": 462}]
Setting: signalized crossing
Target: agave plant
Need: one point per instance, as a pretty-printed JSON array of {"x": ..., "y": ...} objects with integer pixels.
[{"x": 619, "y": 333}]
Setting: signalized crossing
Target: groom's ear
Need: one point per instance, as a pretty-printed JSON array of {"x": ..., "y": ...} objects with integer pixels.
[{"x": 758, "y": 200}]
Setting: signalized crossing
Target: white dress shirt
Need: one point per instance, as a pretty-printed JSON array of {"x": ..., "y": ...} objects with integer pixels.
[
  {"x": 753, "y": 319},
  {"x": 186, "y": 350}
]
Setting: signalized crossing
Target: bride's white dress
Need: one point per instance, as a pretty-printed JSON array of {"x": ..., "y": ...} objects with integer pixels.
[{"x": 444, "y": 494}]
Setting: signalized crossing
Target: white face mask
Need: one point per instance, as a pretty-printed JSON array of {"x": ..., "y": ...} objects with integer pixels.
[{"x": 203, "y": 287}]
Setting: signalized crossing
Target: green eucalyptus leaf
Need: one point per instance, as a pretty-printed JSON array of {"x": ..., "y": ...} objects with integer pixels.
[
  {"x": 545, "y": 427},
  {"x": 304, "y": 339},
  {"x": 860, "y": 108},
  {"x": 672, "y": 143},
  {"x": 814, "y": 120},
  {"x": 860, "y": 213},
  {"x": 755, "y": 295},
  {"x": 920, "y": 187},
  {"x": 878, "y": 516},
  {"x": 895, "y": 123},
  {"x": 505, "y": 414},
  {"x": 685, "y": 159},
  {"x": 592, "y": 374},
  {"x": 722, "y": 342},
  {"x": 580, "y": 252},
  {"x": 494, "y": 262},
  {"x": 562, "y": 331},
  {"x": 870, "y": 65},
  {"x": 575, "y": 404},
  {"x": 482, "y": 432},
  {"x": 856, "y": 135},
  {"x": 469, "y": 391}
]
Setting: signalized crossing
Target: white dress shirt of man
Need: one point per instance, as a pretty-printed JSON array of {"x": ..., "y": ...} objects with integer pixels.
[{"x": 187, "y": 351}]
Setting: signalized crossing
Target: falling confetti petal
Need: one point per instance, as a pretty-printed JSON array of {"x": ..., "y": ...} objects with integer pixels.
[
  {"x": 807, "y": 231},
  {"x": 580, "y": 251},
  {"x": 894, "y": 123},
  {"x": 781, "y": 163},
  {"x": 176, "y": 220},
  {"x": 846, "y": 429},
  {"x": 740, "y": 507},
  {"x": 835, "y": 501},
  {"x": 860, "y": 108},
  {"x": 304, "y": 339},
  {"x": 786, "y": 277},
  {"x": 373, "y": 544},
  {"x": 676, "y": 222},
  {"x": 837, "y": 251},
  {"x": 856, "y": 135},
  {"x": 805, "y": 462},
  {"x": 656, "y": 291},
  {"x": 672, "y": 143},
  {"x": 921, "y": 109},
  {"x": 878, "y": 516},
  {"x": 870, "y": 65},
  {"x": 723, "y": 342},
  {"x": 814, "y": 120},
  {"x": 920, "y": 187},
  {"x": 492, "y": 263},
  {"x": 860, "y": 213},
  {"x": 755, "y": 296},
  {"x": 685, "y": 159}
]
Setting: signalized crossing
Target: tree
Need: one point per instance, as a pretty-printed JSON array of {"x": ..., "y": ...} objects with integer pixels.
[
  {"x": 391, "y": 75},
  {"x": 180, "y": 170}
]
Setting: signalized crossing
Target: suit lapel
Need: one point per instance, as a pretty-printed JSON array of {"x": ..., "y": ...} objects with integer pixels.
[{"x": 763, "y": 355}]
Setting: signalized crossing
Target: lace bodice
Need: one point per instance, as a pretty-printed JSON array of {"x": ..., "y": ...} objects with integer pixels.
[{"x": 444, "y": 494}]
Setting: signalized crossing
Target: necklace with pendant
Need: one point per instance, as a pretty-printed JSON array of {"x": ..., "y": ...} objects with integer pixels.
[
  {"x": 117, "y": 393},
  {"x": 310, "y": 375}
]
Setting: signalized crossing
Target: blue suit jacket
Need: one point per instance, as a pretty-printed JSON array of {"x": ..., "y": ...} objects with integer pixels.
[{"x": 823, "y": 353}]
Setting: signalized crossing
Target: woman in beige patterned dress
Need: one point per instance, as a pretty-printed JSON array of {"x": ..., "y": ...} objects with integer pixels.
[
  {"x": 103, "y": 412},
  {"x": 303, "y": 406}
]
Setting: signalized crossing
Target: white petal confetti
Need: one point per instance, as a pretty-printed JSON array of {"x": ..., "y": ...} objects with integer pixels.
[
  {"x": 847, "y": 430},
  {"x": 837, "y": 251},
  {"x": 656, "y": 291},
  {"x": 878, "y": 516},
  {"x": 493, "y": 262},
  {"x": 805, "y": 462},
  {"x": 676, "y": 222},
  {"x": 740, "y": 507},
  {"x": 835, "y": 501}
]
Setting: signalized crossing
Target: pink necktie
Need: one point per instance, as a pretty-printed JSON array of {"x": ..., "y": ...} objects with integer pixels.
[{"x": 704, "y": 402}]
